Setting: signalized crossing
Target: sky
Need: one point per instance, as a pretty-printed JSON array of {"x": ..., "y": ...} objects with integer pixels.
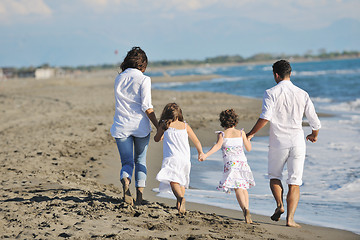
[{"x": 91, "y": 32}]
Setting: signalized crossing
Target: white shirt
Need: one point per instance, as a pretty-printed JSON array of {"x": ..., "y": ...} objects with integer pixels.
[
  {"x": 132, "y": 98},
  {"x": 284, "y": 106}
]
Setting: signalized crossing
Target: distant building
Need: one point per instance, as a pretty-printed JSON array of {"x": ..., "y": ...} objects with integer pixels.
[
  {"x": 44, "y": 73},
  {"x": 60, "y": 73},
  {"x": 27, "y": 73},
  {"x": 6, "y": 73}
]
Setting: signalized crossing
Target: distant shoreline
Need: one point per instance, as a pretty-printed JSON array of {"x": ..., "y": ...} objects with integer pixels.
[
  {"x": 226, "y": 60},
  {"x": 190, "y": 66}
]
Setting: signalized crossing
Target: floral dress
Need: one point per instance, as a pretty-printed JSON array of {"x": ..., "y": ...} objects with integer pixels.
[{"x": 237, "y": 172}]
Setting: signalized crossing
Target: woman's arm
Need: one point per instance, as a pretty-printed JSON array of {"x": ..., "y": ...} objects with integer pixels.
[
  {"x": 194, "y": 139},
  {"x": 247, "y": 142},
  {"x": 146, "y": 105},
  {"x": 159, "y": 134},
  {"x": 151, "y": 115},
  {"x": 214, "y": 148}
]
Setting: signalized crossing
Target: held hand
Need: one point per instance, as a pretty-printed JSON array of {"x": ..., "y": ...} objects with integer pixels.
[
  {"x": 311, "y": 137},
  {"x": 249, "y": 136},
  {"x": 161, "y": 125},
  {"x": 202, "y": 157}
]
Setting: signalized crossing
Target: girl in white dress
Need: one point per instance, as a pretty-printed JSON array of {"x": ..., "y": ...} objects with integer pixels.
[
  {"x": 237, "y": 174},
  {"x": 175, "y": 169}
]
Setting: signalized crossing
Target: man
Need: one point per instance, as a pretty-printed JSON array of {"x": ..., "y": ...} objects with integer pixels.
[{"x": 284, "y": 106}]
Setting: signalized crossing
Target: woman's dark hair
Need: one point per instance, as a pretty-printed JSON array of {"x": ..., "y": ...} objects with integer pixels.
[
  {"x": 135, "y": 58},
  {"x": 171, "y": 113},
  {"x": 228, "y": 118},
  {"x": 282, "y": 68}
]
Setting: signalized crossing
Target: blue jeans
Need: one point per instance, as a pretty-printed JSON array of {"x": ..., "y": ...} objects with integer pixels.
[{"x": 133, "y": 153}]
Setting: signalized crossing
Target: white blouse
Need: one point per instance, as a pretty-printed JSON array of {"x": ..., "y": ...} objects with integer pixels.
[{"x": 132, "y": 98}]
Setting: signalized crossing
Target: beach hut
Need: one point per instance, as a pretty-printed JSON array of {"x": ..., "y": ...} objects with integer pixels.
[{"x": 44, "y": 73}]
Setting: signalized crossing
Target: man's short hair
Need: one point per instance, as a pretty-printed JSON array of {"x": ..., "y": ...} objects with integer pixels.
[{"x": 283, "y": 68}]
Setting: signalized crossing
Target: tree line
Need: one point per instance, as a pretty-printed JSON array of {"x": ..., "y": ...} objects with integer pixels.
[{"x": 260, "y": 57}]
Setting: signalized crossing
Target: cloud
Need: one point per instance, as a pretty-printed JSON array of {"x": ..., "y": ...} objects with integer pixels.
[
  {"x": 294, "y": 14},
  {"x": 298, "y": 14},
  {"x": 145, "y": 5},
  {"x": 13, "y": 9},
  {"x": 96, "y": 3},
  {"x": 190, "y": 5}
]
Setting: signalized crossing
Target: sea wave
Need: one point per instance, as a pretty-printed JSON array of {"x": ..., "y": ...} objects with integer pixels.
[
  {"x": 321, "y": 100},
  {"x": 351, "y": 119},
  {"x": 349, "y": 192},
  {"x": 326, "y": 72},
  {"x": 228, "y": 79},
  {"x": 267, "y": 68},
  {"x": 165, "y": 85},
  {"x": 195, "y": 71},
  {"x": 344, "y": 107}
]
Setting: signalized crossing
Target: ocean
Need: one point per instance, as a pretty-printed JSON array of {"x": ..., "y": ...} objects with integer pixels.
[{"x": 330, "y": 194}]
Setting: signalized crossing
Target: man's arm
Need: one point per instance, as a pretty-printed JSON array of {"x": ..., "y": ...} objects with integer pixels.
[
  {"x": 313, "y": 120},
  {"x": 258, "y": 125},
  {"x": 313, "y": 136}
]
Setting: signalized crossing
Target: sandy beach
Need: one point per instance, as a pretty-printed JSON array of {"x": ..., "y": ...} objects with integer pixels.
[{"x": 60, "y": 167}]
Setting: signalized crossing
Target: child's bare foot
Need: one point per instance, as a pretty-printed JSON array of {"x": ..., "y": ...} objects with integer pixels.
[
  {"x": 247, "y": 216},
  {"x": 181, "y": 208},
  {"x": 277, "y": 213},
  {"x": 292, "y": 223},
  {"x": 178, "y": 203}
]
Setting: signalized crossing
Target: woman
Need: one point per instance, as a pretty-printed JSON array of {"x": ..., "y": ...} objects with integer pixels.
[{"x": 133, "y": 113}]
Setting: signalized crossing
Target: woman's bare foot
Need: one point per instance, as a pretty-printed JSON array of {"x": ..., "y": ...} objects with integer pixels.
[
  {"x": 277, "y": 213},
  {"x": 126, "y": 190},
  {"x": 247, "y": 216},
  {"x": 139, "y": 196}
]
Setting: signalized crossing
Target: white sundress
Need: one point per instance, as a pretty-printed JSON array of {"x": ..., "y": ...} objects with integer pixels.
[
  {"x": 176, "y": 159},
  {"x": 237, "y": 172}
]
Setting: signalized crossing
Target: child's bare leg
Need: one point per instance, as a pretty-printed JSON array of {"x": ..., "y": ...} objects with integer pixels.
[
  {"x": 277, "y": 191},
  {"x": 242, "y": 197},
  {"x": 179, "y": 192},
  {"x": 182, "y": 203}
]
